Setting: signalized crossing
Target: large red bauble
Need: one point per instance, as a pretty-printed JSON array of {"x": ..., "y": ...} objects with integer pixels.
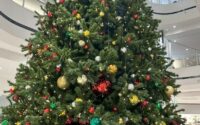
[
  {"x": 47, "y": 110},
  {"x": 91, "y": 110},
  {"x": 49, "y": 14},
  {"x": 61, "y": 1},
  {"x": 27, "y": 123},
  {"x": 135, "y": 16},
  {"x": 74, "y": 12},
  {"x": 148, "y": 77},
  {"x": 69, "y": 121},
  {"x": 11, "y": 90},
  {"x": 102, "y": 87},
  {"x": 15, "y": 98},
  {"x": 144, "y": 104}
]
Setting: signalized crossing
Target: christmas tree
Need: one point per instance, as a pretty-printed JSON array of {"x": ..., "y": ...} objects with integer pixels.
[{"x": 94, "y": 62}]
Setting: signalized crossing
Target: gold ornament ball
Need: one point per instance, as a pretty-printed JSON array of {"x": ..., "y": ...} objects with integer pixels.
[
  {"x": 112, "y": 69},
  {"x": 134, "y": 99},
  {"x": 169, "y": 90},
  {"x": 162, "y": 123},
  {"x": 86, "y": 33},
  {"x": 46, "y": 77},
  {"x": 101, "y": 14},
  {"x": 62, "y": 83},
  {"x": 121, "y": 121},
  {"x": 78, "y": 16}
]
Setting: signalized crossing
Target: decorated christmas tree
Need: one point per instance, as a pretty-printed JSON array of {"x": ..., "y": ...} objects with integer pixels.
[{"x": 94, "y": 62}]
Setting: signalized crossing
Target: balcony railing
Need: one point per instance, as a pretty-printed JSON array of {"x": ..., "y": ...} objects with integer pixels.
[{"x": 164, "y": 1}]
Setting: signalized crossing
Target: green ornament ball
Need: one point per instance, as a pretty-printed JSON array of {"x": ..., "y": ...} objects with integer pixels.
[
  {"x": 53, "y": 105},
  {"x": 158, "y": 105},
  {"x": 5, "y": 122},
  {"x": 95, "y": 121}
]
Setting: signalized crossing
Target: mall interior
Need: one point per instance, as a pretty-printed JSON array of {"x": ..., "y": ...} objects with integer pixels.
[{"x": 180, "y": 27}]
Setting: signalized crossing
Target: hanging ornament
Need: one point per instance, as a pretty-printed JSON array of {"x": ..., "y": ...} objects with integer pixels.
[
  {"x": 98, "y": 58},
  {"x": 47, "y": 110},
  {"x": 131, "y": 87},
  {"x": 133, "y": 76},
  {"x": 114, "y": 43},
  {"x": 81, "y": 43},
  {"x": 81, "y": 122},
  {"x": 74, "y": 12},
  {"x": 129, "y": 39},
  {"x": 174, "y": 122},
  {"x": 82, "y": 80},
  {"x": 134, "y": 99},
  {"x": 78, "y": 100},
  {"x": 102, "y": 87},
  {"x": 101, "y": 14},
  {"x": 158, "y": 105},
  {"x": 12, "y": 90},
  {"x": 54, "y": 55},
  {"x": 46, "y": 77},
  {"x": 112, "y": 69},
  {"x": 148, "y": 77},
  {"x": 49, "y": 14},
  {"x": 145, "y": 120},
  {"x": 15, "y": 98},
  {"x": 121, "y": 121},
  {"x": 61, "y": 1},
  {"x": 27, "y": 87},
  {"x": 144, "y": 104},
  {"x": 78, "y": 16},
  {"x": 86, "y": 33},
  {"x": 63, "y": 113},
  {"x": 137, "y": 82},
  {"x": 62, "y": 83},
  {"x": 95, "y": 121},
  {"x": 86, "y": 46},
  {"x": 114, "y": 109},
  {"x": 58, "y": 68},
  {"x": 91, "y": 110},
  {"x": 124, "y": 49},
  {"x": 27, "y": 123},
  {"x": 161, "y": 123},
  {"x": 136, "y": 16},
  {"x": 52, "y": 105},
  {"x": 4, "y": 122},
  {"x": 17, "y": 123},
  {"x": 169, "y": 90},
  {"x": 69, "y": 121}
]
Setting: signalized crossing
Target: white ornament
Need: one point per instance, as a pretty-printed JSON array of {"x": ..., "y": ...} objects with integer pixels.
[
  {"x": 28, "y": 87},
  {"x": 131, "y": 87},
  {"x": 149, "y": 48},
  {"x": 81, "y": 43},
  {"x": 133, "y": 76},
  {"x": 118, "y": 18},
  {"x": 78, "y": 22},
  {"x": 124, "y": 49},
  {"x": 69, "y": 60},
  {"x": 82, "y": 80},
  {"x": 149, "y": 69},
  {"x": 80, "y": 31},
  {"x": 98, "y": 58},
  {"x": 73, "y": 104}
]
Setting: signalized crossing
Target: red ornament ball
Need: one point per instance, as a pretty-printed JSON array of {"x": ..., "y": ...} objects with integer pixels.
[
  {"x": 11, "y": 90},
  {"x": 27, "y": 123},
  {"x": 47, "y": 110},
  {"x": 137, "y": 82},
  {"x": 74, "y": 12},
  {"x": 145, "y": 120},
  {"x": 102, "y": 87},
  {"x": 61, "y": 1},
  {"x": 144, "y": 104},
  {"x": 49, "y": 14},
  {"x": 86, "y": 46},
  {"x": 135, "y": 16},
  {"x": 69, "y": 121},
  {"x": 148, "y": 77},
  {"x": 58, "y": 69},
  {"x": 173, "y": 122},
  {"x": 91, "y": 110},
  {"x": 15, "y": 98},
  {"x": 115, "y": 109}
]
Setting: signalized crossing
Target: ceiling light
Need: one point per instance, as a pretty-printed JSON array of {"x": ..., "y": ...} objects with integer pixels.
[
  {"x": 0, "y": 68},
  {"x": 186, "y": 49},
  {"x": 175, "y": 41},
  {"x": 174, "y": 26}
]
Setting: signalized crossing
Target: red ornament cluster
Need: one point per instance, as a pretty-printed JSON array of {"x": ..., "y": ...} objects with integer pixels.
[
  {"x": 70, "y": 121},
  {"x": 102, "y": 87},
  {"x": 144, "y": 104},
  {"x": 27, "y": 123},
  {"x": 91, "y": 110},
  {"x": 61, "y": 1},
  {"x": 49, "y": 14}
]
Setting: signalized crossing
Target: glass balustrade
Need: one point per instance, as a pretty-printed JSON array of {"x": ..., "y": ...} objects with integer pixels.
[
  {"x": 182, "y": 55},
  {"x": 164, "y": 1},
  {"x": 33, "y": 5}
]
